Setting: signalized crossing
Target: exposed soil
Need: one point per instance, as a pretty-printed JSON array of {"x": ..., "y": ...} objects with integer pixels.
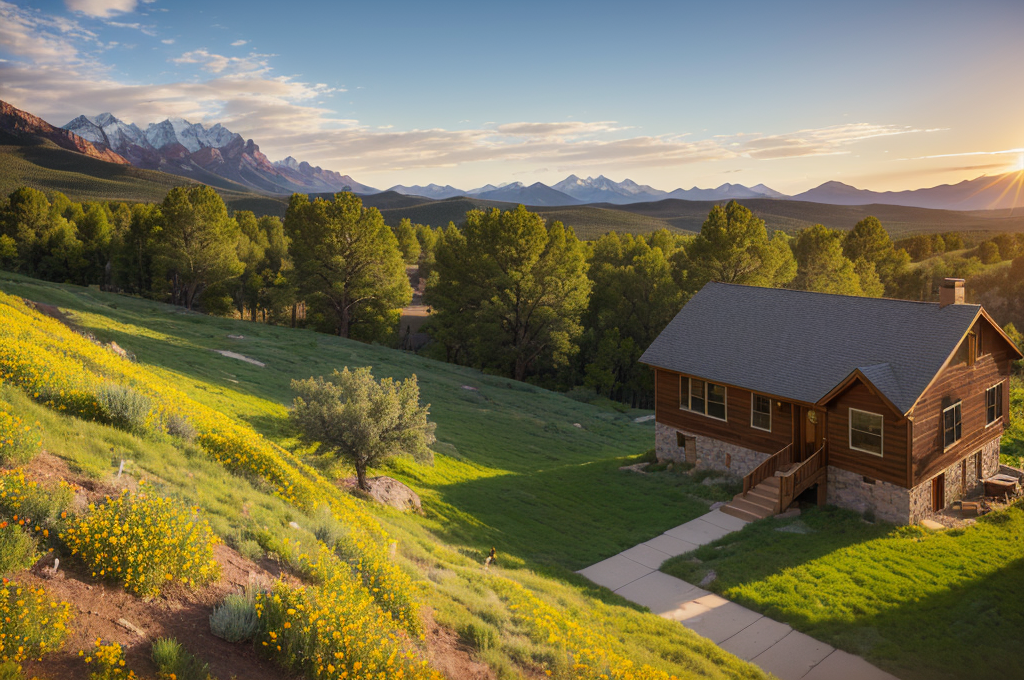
[
  {"x": 449, "y": 654},
  {"x": 107, "y": 611},
  {"x": 53, "y": 312},
  {"x": 102, "y": 610}
]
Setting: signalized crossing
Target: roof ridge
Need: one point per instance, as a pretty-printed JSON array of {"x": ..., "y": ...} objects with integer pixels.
[{"x": 842, "y": 295}]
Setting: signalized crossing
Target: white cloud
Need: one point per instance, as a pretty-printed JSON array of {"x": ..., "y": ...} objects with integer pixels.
[
  {"x": 239, "y": 43},
  {"x": 251, "y": 65},
  {"x": 101, "y": 8},
  {"x": 168, "y": 41}
]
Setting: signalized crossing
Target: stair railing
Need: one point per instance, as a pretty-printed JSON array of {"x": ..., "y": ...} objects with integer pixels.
[
  {"x": 768, "y": 468},
  {"x": 793, "y": 482}
]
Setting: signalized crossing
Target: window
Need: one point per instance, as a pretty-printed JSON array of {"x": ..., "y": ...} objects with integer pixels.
[
  {"x": 866, "y": 432},
  {"x": 716, "y": 401},
  {"x": 703, "y": 397},
  {"x": 697, "y": 396},
  {"x": 760, "y": 412},
  {"x": 994, "y": 403},
  {"x": 951, "y": 425}
]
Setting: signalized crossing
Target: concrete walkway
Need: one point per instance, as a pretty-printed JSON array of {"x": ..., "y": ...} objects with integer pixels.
[{"x": 773, "y": 646}]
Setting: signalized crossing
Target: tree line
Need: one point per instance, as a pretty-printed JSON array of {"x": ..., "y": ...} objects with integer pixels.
[{"x": 509, "y": 293}]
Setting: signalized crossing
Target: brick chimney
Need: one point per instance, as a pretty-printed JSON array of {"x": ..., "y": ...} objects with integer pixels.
[{"x": 951, "y": 292}]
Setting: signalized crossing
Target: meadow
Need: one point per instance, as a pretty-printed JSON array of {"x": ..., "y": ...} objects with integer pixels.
[{"x": 513, "y": 471}]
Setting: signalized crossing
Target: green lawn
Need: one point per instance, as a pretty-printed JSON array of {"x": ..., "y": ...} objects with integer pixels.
[
  {"x": 919, "y": 604},
  {"x": 519, "y": 474},
  {"x": 513, "y": 471}
]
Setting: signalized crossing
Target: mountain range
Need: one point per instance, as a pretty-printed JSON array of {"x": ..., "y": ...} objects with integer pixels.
[
  {"x": 179, "y": 147},
  {"x": 218, "y": 156}
]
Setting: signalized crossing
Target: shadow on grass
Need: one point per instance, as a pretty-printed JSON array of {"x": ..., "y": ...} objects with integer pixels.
[{"x": 767, "y": 547}]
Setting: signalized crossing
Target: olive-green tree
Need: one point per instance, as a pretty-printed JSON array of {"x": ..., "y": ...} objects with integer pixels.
[
  {"x": 355, "y": 419},
  {"x": 347, "y": 260},
  {"x": 510, "y": 289},
  {"x": 733, "y": 247},
  {"x": 198, "y": 242}
]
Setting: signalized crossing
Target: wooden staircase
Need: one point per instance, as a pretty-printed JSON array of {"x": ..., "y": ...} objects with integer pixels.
[
  {"x": 772, "y": 486},
  {"x": 760, "y": 502}
]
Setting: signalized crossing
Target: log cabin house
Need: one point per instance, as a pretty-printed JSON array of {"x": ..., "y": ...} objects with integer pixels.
[{"x": 889, "y": 406}]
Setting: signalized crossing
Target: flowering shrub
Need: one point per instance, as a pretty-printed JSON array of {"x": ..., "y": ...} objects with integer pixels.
[
  {"x": 26, "y": 503},
  {"x": 334, "y": 630},
  {"x": 109, "y": 660},
  {"x": 31, "y": 624},
  {"x": 18, "y": 440},
  {"x": 144, "y": 542}
]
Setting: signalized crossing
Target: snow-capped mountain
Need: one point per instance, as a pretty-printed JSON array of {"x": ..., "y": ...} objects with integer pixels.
[
  {"x": 192, "y": 150},
  {"x": 603, "y": 190}
]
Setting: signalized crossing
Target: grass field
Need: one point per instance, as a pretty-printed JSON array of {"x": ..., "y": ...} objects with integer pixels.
[
  {"x": 520, "y": 475},
  {"x": 921, "y": 605},
  {"x": 513, "y": 471}
]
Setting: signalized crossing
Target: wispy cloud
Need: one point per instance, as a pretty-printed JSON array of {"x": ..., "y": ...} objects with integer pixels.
[
  {"x": 239, "y": 43},
  {"x": 968, "y": 153},
  {"x": 168, "y": 41},
  {"x": 101, "y": 8}
]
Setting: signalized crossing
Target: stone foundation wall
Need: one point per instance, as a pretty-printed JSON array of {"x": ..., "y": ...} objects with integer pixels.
[
  {"x": 957, "y": 485},
  {"x": 887, "y": 501},
  {"x": 712, "y": 454}
]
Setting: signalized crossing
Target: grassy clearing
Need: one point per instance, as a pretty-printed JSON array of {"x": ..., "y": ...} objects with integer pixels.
[
  {"x": 919, "y": 604},
  {"x": 513, "y": 470},
  {"x": 510, "y": 452}
]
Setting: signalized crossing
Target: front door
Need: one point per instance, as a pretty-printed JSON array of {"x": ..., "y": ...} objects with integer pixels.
[{"x": 810, "y": 434}]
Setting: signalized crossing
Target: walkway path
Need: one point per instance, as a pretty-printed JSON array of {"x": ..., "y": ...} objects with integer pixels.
[{"x": 773, "y": 646}]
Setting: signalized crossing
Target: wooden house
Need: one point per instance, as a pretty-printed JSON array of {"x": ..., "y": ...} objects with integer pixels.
[{"x": 891, "y": 406}]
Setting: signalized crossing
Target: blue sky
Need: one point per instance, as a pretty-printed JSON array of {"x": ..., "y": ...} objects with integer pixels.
[{"x": 883, "y": 95}]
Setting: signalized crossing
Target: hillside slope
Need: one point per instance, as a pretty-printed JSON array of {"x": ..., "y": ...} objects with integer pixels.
[{"x": 513, "y": 471}]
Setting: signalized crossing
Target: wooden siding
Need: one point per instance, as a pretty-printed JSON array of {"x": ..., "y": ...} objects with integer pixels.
[
  {"x": 735, "y": 429},
  {"x": 893, "y": 465},
  {"x": 968, "y": 384}
]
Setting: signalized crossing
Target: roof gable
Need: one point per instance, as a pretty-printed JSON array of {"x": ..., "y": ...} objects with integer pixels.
[{"x": 800, "y": 345}]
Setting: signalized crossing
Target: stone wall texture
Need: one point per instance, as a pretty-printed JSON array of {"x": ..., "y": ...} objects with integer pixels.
[
  {"x": 712, "y": 454},
  {"x": 850, "y": 490}
]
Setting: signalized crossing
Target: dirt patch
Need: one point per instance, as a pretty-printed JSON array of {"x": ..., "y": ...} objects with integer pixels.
[
  {"x": 52, "y": 312},
  {"x": 108, "y": 612},
  {"x": 448, "y": 653}
]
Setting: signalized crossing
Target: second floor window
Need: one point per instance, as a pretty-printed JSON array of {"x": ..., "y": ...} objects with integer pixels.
[
  {"x": 951, "y": 429},
  {"x": 702, "y": 396},
  {"x": 993, "y": 403}
]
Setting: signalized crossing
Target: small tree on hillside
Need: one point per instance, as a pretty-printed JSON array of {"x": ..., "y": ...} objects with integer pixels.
[{"x": 356, "y": 419}]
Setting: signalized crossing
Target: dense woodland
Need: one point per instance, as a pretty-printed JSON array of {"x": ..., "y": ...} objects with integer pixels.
[{"x": 509, "y": 293}]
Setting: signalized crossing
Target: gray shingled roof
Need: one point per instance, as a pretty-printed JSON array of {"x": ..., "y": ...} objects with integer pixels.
[{"x": 800, "y": 345}]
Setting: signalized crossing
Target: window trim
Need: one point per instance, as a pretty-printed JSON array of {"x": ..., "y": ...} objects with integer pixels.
[
  {"x": 999, "y": 404},
  {"x": 753, "y": 401},
  {"x": 689, "y": 397},
  {"x": 881, "y": 436},
  {"x": 957, "y": 404}
]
